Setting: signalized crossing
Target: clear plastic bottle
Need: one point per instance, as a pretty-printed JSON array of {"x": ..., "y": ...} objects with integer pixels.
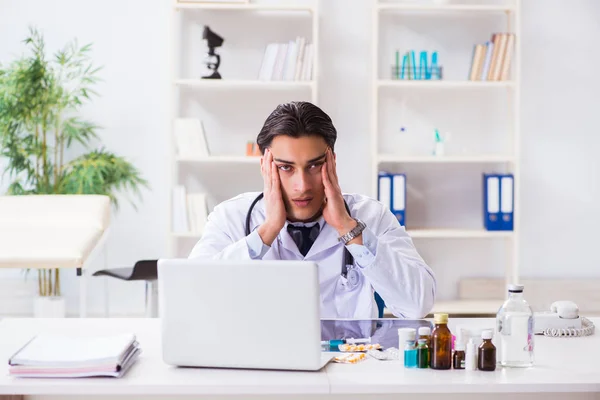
[{"x": 514, "y": 329}]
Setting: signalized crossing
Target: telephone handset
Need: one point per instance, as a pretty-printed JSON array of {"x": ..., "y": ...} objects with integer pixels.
[{"x": 562, "y": 320}]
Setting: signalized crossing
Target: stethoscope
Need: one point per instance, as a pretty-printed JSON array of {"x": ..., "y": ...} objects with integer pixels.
[{"x": 348, "y": 271}]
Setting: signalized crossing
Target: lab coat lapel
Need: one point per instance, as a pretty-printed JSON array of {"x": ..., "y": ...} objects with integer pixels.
[{"x": 328, "y": 238}]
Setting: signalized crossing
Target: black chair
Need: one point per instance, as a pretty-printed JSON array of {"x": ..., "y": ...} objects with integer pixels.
[{"x": 143, "y": 270}]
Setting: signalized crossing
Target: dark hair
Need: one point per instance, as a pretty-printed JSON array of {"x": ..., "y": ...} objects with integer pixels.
[{"x": 296, "y": 119}]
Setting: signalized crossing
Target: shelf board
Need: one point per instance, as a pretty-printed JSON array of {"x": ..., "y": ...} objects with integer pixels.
[
  {"x": 466, "y": 307},
  {"x": 390, "y": 158},
  {"x": 484, "y": 307},
  {"x": 442, "y": 84},
  {"x": 244, "y": 84},
  {"x": 221, "y": 159},
  {"x": 446, "y": 7},
  {"x": 457, "y": 233},
  {"x": 192, "y": 235},
  {"x": 244, "y": 7}
]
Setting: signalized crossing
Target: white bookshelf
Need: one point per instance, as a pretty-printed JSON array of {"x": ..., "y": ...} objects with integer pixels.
[
  {"x": 459, "y": 159},
  {"x": 484, "y": 307},
  {"x": 446, "y": 8},
  {"x": 244, "y": 84},
  {"x": 246, "y": 7},
  {"x": 443, "y": 233},
  {"x": 384, "y": 88},
  {"x": 225, "y": 160},
  {"x": 221, "y": 160},
  {"x": 443, "y": 84}
]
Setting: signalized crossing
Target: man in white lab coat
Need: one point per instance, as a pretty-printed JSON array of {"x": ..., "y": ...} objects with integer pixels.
[{"x": 356, "y": 241}]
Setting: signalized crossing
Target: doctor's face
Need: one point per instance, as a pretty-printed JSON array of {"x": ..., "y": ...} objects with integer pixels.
[{"x": 299, "y": 162}]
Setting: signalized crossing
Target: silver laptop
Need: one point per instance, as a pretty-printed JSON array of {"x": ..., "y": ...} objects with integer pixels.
[{"x": 240, "y": 314}]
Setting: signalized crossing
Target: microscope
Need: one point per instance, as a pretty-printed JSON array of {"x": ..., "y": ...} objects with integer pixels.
[{"x": 212, "y": 59}]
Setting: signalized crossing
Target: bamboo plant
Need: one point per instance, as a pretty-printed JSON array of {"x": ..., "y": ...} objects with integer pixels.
[{"x": 39, "y": 103}]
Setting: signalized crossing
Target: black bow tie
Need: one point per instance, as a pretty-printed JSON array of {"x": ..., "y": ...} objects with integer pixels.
[{"x": 304, "y": 236}]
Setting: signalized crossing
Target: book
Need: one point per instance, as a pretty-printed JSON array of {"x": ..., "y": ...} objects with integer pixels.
[
  {"x": 290, "y": 61},
  {"x": 487, "y": 60},
  {"x": 507, "y": 59},
  {"x": 180, "y": 223},
  {"x": 197, "y": 211},
  {"x": 500, "y": 58},
  {"x": 190, "y": 138},
  {"x": 491, "y": 61},
  {"x": 75, "y": 356},
  {"x": 477, "y": 64}
]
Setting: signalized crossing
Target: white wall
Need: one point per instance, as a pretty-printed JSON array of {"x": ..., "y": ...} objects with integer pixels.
[
  {"x": 130, "y": 39},
  {"x": 561, "y": 189}
]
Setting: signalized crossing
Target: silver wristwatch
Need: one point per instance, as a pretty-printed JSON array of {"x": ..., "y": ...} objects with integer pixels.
[{"x": 360, "y": 226}]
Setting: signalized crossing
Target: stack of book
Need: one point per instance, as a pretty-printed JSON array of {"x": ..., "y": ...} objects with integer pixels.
[
  {"x": 290, "y": 61},
  {"x": 491, "y": 61},
  {"x": 52, "y": 356},
  {"x": 190, "y": 211}
]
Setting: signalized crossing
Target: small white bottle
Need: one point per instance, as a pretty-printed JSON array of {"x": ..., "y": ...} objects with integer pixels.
[
  {"x": 471, "y": 356},
  {"x": 405, "y": 334}
]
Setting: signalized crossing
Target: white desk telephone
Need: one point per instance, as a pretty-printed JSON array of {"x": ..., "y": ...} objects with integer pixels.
[{"x": 562, "y": 320}]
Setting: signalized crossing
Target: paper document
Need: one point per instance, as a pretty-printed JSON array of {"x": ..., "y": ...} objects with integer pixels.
[{"x": 64, "y": 356}]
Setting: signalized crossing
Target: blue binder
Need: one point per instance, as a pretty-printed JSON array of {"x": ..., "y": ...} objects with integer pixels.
[
  {"x": 498, "y": 202},
  {"x": 507, "y": 202},
  {"x": 491, "y": 202},
  {"x": 391, "y": 191}
]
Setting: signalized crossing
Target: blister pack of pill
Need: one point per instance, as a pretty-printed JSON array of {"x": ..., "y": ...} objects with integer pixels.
[
  {"x": 350, "y": 358},
  {"x": 388, "y": 354},
  {"x": 353, "y": 348}
]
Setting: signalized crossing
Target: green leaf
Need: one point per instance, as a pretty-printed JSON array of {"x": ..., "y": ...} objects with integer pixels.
[
  {"x": 79, "y": 131},
  {"x": 102, "y": 172}
]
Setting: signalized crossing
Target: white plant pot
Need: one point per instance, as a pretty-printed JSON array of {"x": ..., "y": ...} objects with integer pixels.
[{"x": 49, "y": 307}]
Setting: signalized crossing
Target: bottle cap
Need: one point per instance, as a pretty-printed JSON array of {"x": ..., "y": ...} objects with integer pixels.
[
  {"x": 459, "y": 345},
  {"x": 422, "y": 341},
  {"x": 487, "y": 334},
  {"x": 407, "y": 333},
  {"x": 515, "y": 288},
  {"x": 424, "y": 331},
  {"x": 440, "y": 318}
]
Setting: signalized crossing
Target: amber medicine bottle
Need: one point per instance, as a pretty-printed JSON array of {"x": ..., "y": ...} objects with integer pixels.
[
  {"x": 441, "y": 343},
  {"x": 486, "y": 357}
]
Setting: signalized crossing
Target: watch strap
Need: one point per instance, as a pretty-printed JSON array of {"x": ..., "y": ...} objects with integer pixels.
[{"x": 356, "y": 231}]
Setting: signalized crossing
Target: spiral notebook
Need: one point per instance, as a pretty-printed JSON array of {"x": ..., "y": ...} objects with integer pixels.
[{"x": 46, "y": 356}]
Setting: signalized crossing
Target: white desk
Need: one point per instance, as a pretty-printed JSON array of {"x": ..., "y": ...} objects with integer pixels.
[{"x": 562, "y": 366}]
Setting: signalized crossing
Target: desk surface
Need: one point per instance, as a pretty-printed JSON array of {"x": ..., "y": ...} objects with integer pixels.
[{"x": 562, "y": 365}]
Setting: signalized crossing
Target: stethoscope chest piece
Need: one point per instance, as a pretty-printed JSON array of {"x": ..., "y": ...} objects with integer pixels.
[{"x": 353, "y": 277}]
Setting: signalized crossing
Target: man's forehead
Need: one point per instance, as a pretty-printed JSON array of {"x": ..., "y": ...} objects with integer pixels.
[{"x": 300, "y": 159}]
